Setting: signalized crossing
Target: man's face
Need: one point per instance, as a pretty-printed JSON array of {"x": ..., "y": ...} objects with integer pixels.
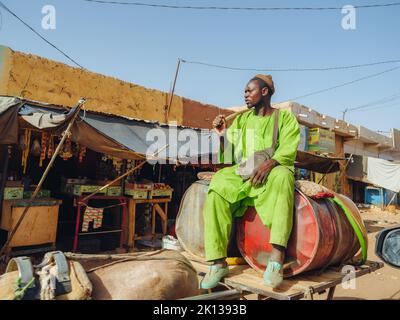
[{"x": 253, "y": 94}]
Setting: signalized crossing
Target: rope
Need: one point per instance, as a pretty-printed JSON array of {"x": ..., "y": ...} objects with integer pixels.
[{"x": 108, "y": 207}]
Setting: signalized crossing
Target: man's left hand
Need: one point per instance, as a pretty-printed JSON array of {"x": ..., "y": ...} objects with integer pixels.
[{"x": 261, "y": 173}]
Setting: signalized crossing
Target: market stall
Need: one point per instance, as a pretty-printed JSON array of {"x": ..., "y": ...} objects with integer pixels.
[{"x": 80, "y": 170}]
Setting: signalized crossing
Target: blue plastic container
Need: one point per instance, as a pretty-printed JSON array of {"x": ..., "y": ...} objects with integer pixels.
[
  {"x": 379, "y": 196},
  {"x": 373, "y": 195}
]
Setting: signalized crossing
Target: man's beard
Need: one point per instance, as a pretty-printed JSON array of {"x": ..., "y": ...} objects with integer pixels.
[{"x": 257, "y": 105}]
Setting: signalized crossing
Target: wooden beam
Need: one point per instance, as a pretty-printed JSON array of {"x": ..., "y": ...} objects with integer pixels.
[
  {"x": 345, "y": 186},
  {"x": 131, "y": 223}
]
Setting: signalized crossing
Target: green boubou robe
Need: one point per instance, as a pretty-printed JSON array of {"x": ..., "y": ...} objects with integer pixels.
[{"x": 229, "y": 196}]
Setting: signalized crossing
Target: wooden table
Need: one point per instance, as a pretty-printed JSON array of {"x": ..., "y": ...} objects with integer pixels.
[
  {"x": 247, "y": 281},
  {"x": 157, "y": 209}
]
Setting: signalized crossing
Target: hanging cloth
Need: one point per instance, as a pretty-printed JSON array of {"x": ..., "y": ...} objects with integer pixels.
[{"x": 92, "y": 214}]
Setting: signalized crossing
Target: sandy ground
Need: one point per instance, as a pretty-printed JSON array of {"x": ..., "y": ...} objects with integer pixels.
[{"x": 383, "y": 283}]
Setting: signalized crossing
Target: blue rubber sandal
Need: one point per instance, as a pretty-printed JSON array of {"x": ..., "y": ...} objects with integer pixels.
[
  {"x": 213, "y": 276},
  {"x": 273, "y": 275}
]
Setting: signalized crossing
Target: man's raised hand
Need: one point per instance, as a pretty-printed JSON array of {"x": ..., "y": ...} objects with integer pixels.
[{"x": 219, "y": 124}]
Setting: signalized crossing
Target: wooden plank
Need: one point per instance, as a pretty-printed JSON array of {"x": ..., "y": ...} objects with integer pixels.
[
  {"x": 6, "y": 215},
  {"x": 152, "y": 200},
  {"x": 153, "y": 220},
  {"x": 38, "y": 227},
  {"x": 99, "y": 232},
  {"x": 163, "y": 216},
  {"x": 165, "y": 225},
  {"x": 345, "y": 187},
  {"x": 160, "y": 212},
  {"x": 255, "y": 285},
  {"x": 244, "y": 278}
]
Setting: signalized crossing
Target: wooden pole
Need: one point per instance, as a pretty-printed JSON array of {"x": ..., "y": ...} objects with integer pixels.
[
  {"x": 229, "y": 119},
  {"x": 391, "y": 200},
  {"x": 172, "y": 92},
  {"x": 7, "y": 154},
  {"x": 124, "y": 168},
  {"x": 66, "y": 133}
]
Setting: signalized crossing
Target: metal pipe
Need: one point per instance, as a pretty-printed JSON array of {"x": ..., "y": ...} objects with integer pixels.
[
  {"x": 232, "y": 294},
  {"x": 38, "y": 187}
]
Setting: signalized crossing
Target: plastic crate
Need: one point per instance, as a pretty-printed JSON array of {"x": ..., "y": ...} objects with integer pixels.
[
  {"x": 161, "y": 193},
  {"x": 137, "y": 193},
  {"x": 41, "y": 194},
  {"x": 12, "y": 193},
  {"x": 114, "y": 191},
  {"x": 79, "y": 189}
]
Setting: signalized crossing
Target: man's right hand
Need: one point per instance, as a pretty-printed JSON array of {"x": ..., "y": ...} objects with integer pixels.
[{"x": 219, "y": 124}]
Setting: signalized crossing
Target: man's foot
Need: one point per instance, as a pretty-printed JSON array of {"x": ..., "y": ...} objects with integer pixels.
[
  {"x": 213, "y": 276},
  {"x": 273, "y": 275}
]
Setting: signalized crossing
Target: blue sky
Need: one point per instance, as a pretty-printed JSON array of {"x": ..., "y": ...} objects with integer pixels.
[{"x": 142, "y": 45}]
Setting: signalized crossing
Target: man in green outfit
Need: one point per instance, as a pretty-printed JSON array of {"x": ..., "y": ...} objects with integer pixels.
[{"x": 270, "y": 188}]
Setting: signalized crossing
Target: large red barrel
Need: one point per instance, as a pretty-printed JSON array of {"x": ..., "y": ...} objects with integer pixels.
[{"x": 321, "y": 236}]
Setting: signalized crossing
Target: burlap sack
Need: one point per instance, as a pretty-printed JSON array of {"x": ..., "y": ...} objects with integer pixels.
[{"x": 162, "y": 276}]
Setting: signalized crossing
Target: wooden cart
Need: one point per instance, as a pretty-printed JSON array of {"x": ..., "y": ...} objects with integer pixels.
[{"x": 245, "y": 281}]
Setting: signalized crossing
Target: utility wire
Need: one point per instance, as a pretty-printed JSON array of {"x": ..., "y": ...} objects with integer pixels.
[
  {"x": 291, "y": 69},
  {"x": 382, "y": 106},
  {"x": 383, "y": 100},
  {"x": 165, "y": 6},
  {"x": 39, "y": 35},
  {"x": 310, "y": 69},
  {"x": 344, "y": 84},
  {"x": 234, "y": 8}
]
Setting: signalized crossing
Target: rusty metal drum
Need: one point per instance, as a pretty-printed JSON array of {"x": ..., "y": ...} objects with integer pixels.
[
  {"x": 321, "y": 236},
  {"x": 189, "y": 225}
]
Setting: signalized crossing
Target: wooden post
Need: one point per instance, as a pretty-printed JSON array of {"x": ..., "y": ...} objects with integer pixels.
[
  {"x": 345, "y": 187},
  {"x": 390, "y": 202},
  {"x": 7, "y": 155},
  {"x": 153, "y": 220},
  {"x": 131, "y": 223},
  {"x": 168, "y": 107},
  {"x": 166, "y": 218}
]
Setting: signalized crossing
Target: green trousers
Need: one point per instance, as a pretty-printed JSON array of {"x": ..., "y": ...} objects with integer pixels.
[{"x": 273, "y": 203}]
